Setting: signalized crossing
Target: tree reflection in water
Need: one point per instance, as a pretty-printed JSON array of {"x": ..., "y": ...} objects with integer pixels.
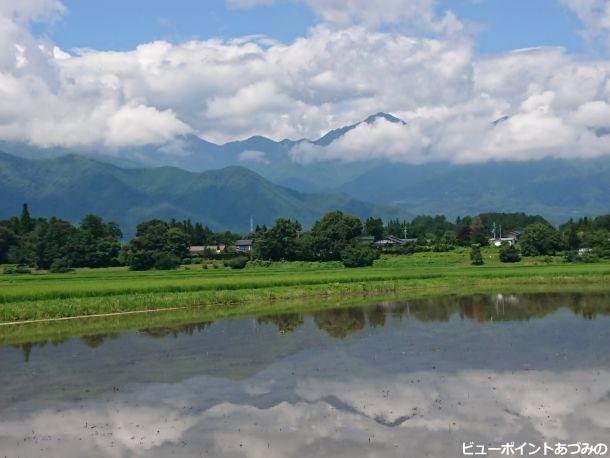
[{"x": 340, "y": 323}]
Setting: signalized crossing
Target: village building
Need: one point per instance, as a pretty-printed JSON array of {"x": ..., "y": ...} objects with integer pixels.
[
  {"x": 390, "y": 241},
  {"x": 244, "y": 246},
  {"x": 203, "y": 249},
  {"x": 497, "y": 239}
]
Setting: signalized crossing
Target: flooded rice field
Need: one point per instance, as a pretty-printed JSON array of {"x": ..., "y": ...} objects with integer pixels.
[{"x": 397, "y": 379}]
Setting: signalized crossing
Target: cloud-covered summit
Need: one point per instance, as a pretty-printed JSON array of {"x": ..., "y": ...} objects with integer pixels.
[{"x": 344, "y": 69}]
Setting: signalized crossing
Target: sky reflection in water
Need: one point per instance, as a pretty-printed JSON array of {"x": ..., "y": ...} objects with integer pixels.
[{"x": 401, "y": 379}]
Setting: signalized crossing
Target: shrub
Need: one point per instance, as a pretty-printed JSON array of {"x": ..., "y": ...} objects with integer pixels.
[
  {"x": 398, "y": 250},
  {"x": 61, "y": 266},
  {"x": 359, "y": 256},
  {"x": 476, "y": 257},
  {"x": 591, "y": 256},
  {"x": 16, "y": 269},
  {"x": 571, "y": 256},
  {"x": 509, "y": 253},
  {"x": 588, "y": 257},
  {"x": 237, "y": 263},
  {"x": 166, "y": 261}
]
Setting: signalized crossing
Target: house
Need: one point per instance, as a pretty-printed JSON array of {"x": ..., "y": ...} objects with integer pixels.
[
  {"x": 498, "y": 241},
  {"x": 391, "y": 240},
  {"x": 202, "y": 249},
  {"x": 366, "y": 240},
  {"x": 511, "y": 237},
  {"x": 244, "y": 246}
]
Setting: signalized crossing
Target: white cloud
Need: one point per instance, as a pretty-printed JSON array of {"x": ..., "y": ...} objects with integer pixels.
[
  {"x": 257, "y": 157},
  {"x": 420, "y": 14},
  {"x": 338, "y": 74},
  {"x": 595, "y": 16},
  {"x": 31, "y": 10},
  {"x": 593, "y": 114},
  {"x": 326, "y": 415},
  {"x": 378, "y": 140}
]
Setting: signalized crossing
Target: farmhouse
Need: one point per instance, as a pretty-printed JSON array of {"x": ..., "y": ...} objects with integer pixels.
[
  {"x": 243, "y": 246},
  {"x": 201, "y": 249},
  {"x": 511, "y": 237},
  {"x": 391, "y": 241}
]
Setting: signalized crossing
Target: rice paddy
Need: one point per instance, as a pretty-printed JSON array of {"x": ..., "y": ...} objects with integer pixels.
[{"x": 105, "y": 291}]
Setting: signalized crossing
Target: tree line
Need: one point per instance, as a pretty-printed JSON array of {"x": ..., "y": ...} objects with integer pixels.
[
  {"x": 58, "y": 245},
  {"x": 335, "y": 237}
]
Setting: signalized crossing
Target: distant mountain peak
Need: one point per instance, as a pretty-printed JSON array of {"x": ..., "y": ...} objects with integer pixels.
[
  {"x": 500, "y": 120},
  {"x": 337, "y": 133},
  {"x": 388, "y": 117}
]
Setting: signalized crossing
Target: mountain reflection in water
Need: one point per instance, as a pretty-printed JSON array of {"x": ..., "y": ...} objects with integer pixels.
[{"x": 400, "y": 379}]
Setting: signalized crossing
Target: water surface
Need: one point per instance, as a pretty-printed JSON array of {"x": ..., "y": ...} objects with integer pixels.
[{"x": 404, "y": 379}]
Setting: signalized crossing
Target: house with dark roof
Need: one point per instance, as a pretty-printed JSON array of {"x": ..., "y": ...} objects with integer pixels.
[
  {"x": 244, "y": 246},
  {"x": 392, "y": 241}
]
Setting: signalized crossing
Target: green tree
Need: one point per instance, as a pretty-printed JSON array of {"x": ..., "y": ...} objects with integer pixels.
[
  {"x": 359, "y": 256},
  {"x": 446, "y": 242},
  {"x": 396, "y": 227},
  {"x": 53, "y": 240},
  {"x": 7, "y": 239},
  {"x": 434, "y": 226},
  {"x": 476, "y": 257},
  {"x": 98, "y": 243},
  {"x": 156, "y": 245},
  {"x": 153, "y": 234},
  {"x": 509, "y": 253},
  {"x": 374, "y": 228},
  {"x": 332, "y": 234},
  {"x": 26, "y": 224},
  {"x": 279, "y": 242},
  {"x": 422, "y": 242},
  {"x": 478, "y": 234},
  {"x": 572, "y": 238},
  {"x": 177, "y": 243},
  {"x": 137, "y": 255},
  {"x": 540, "y": 239}
]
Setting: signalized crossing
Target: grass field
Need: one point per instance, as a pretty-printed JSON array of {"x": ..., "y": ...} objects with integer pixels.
[{"x": 107, "y": 291}]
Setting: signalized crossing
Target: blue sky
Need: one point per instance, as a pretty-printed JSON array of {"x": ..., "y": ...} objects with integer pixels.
[{"x": 123, "y": 24}]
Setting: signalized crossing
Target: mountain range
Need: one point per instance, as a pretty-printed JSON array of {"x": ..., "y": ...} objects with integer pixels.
[
  {"x": 72, "y": 186},
  {"x": 223, "y": 185}
]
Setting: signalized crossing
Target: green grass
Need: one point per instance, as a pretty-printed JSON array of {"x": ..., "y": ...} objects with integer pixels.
[{"x": 105, "y": 291}]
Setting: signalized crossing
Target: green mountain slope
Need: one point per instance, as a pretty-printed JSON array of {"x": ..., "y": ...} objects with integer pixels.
[
  {"x": 72, "y": 186},
  {"x": 556, "y": 189}
]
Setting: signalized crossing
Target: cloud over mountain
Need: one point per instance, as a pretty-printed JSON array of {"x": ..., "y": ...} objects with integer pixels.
[{"x": 344, "y": 69}]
